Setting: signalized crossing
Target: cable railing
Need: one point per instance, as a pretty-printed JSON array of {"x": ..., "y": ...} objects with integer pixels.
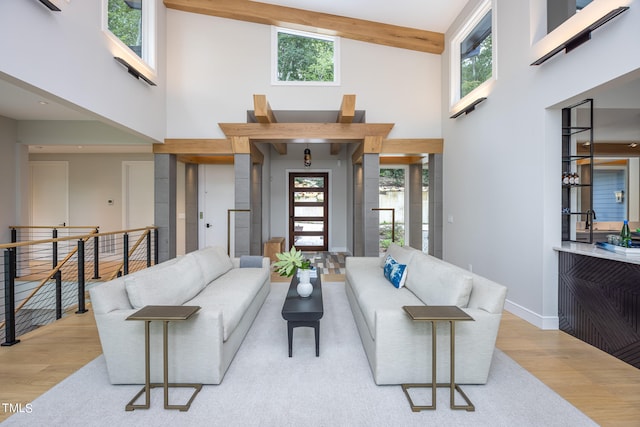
[{"x": 46, "y": 279}]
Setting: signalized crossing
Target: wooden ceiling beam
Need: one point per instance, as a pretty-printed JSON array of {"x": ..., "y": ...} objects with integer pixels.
[
  {"x": 351, "y": 28},
  {"x": 264, "y": 114},
  {"x": 206, "y": 160},
  {"x": 346, "y": 115},
  {"x": 321, "y": 132},
  {"x": 193, "y": 146},
  {"x": 412, "y": 146},
  {"x": 401, "y": 160}
]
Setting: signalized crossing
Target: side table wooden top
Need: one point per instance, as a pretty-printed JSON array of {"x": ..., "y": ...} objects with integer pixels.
[
  {"x": 164, "y": 312},
  {"x": 436, "y": 312}
]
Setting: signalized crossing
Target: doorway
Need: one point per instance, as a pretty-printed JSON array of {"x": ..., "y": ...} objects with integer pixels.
[
  {"x": 217, "y": 196},
  {"x": 309, "y": 210}
]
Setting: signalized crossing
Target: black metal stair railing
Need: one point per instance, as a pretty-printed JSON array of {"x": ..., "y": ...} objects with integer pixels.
[{"x": 39, "y": 289}]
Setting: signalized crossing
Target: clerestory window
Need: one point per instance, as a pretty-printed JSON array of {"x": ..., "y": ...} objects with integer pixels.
[
  {"x": 473, "y": 60},
  {"x": 301, "y": 58},
  {"x": 131, "y": 24}
]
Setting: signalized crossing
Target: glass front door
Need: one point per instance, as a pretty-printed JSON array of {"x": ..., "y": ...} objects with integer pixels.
[{"x": 308, "y": 210}]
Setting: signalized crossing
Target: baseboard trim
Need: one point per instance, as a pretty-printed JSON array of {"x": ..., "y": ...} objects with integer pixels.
[{"x": 542, "y": 322}]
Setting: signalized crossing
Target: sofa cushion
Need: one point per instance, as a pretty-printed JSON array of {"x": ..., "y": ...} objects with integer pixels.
[
  {"x": 213, "y": 262},
  {"x": 382, "y": 296},
  {"x": 232, "y": 293},
  {"x": 438, "y": 283},
  {"x": 363, "y": 273},
  {"x": 401, "y": 254},
  {"x": 395, "y": 272},
  {"x": 170, "y": 284}
]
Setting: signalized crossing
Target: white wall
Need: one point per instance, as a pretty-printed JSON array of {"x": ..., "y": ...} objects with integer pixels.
[
  {"x": 93, "y": 180},
  {"x": 502, "y": 161},
  {"x": 218, "y": 64},
  {"x": 66, "y": 56},
  {"x": 8, "y": 177}
]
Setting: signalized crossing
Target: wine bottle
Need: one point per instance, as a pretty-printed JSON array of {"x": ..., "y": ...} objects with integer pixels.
[{"x": 625, "y": 235}]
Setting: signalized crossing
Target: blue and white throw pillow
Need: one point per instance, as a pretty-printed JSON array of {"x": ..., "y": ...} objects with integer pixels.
[{"x": 394, "y": 272}]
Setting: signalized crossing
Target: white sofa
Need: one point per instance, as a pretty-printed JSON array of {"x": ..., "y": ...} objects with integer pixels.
[
  {"x": 201, "y": 348},
  {"x": 398, "y": 349}
]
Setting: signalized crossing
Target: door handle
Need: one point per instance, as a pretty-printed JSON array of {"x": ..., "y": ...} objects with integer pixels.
[{"x": 208, "y": 225}]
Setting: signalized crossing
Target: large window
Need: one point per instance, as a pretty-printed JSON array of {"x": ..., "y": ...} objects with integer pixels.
[
  {"x": 473, "y": 57},
  {"x": 130, "y": 24},
  {"x": 304, "y": 58},
  {"x": 558, "y": 11}
]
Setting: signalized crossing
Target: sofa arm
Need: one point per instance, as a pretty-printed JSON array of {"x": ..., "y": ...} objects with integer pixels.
[
  {"x": 195, "y": 347},
  {"x": 403, "y": 347},
  {"x": 109, "y": 296}
]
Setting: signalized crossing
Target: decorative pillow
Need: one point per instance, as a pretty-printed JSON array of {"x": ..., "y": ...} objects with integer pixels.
[
  {"x": 394, "y": 272},
  {"x": 401, "y": 254}
]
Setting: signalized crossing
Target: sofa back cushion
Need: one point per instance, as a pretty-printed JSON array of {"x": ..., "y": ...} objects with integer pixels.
[
  {"x": 213, "y": 262},
  {"x": 436, "y": 282},
  {"x": 171, "y": 284},
  {"x": 402, "y": 255}
]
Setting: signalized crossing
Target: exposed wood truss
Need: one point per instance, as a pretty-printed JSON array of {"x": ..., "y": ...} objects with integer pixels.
[
  {"x": 351, "y": 28},
  {"x": 264, "y": 114},
  {"x": 209, "y": 151},
  {"x": 241, "y": 138}
]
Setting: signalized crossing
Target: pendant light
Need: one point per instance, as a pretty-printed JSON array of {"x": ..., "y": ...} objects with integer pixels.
[{"x": 307, "y": 157}]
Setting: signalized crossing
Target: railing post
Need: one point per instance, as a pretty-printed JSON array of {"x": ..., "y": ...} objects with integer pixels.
[
  {"x": 58, "y": 277},
  {"x": 149, "y": 249},
  {"x": 156, "y": 250},
  {"x": 55, "y": 249},
  {"x": 10, "y": 298},
  {"x": 81, "y": 307},
  {"x": 96, "y": 261},
  {"x": 14, "y": 239},
  {"x": 125, "y": 263}
]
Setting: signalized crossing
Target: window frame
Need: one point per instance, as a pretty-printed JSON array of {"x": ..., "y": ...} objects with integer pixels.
[
  {"x": 456, "y": 102},
  {"x": 149, "y": 38},
  {"x": 274, "y": 57}
]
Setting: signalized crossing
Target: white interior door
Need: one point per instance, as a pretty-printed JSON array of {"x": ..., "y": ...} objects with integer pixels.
[
  {"x": 137, "y": 194},
  {"x": 49, "y": 193},
  {"x": 217, "y": 195},
  {"x": 49, "y": 183}
]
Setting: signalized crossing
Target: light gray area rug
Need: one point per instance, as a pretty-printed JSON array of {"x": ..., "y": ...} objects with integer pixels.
[{"x": 264, "y": 387}]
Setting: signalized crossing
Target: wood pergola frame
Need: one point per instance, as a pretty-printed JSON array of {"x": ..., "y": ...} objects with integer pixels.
[{"x": 241, "y": 138}]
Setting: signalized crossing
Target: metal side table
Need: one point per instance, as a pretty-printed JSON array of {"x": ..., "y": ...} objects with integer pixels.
[
  {"x": 434, "y": 314},
  {"x": 166, "y": 314}
]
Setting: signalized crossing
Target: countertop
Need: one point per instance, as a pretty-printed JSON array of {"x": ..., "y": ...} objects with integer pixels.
[{"x": 591, "y": 250}]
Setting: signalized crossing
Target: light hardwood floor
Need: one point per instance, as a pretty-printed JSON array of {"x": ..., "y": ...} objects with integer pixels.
[{"x": 601, "y": 386}]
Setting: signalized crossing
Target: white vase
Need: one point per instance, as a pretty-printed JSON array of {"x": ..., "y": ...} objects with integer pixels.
[{"x": 304, "y": 287}]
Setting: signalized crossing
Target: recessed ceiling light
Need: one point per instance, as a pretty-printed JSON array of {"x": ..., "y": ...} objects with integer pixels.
[
  {"x": 43, "y": 103},
  {"x": 633, "y": 145}
]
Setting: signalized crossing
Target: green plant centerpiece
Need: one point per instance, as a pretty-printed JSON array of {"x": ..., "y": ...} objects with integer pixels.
[{"x": 289, "y": 262}]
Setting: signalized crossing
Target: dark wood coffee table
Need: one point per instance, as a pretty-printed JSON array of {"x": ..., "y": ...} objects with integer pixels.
[{"x": 299, "y": 311}]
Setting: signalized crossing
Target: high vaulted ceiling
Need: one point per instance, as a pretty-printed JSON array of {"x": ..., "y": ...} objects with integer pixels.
[{"x": 407, "y": 24}]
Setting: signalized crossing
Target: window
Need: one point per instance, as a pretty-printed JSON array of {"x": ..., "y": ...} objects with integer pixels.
[
  {"x": 558, "y": 11},
  {"x": 473, "y": 54},
  {"x": 476, "y": 56},
  {"x": 392, "y": 200},
  {"x": 130, "y": 24},
  {"x": 304, "y": 58}
]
